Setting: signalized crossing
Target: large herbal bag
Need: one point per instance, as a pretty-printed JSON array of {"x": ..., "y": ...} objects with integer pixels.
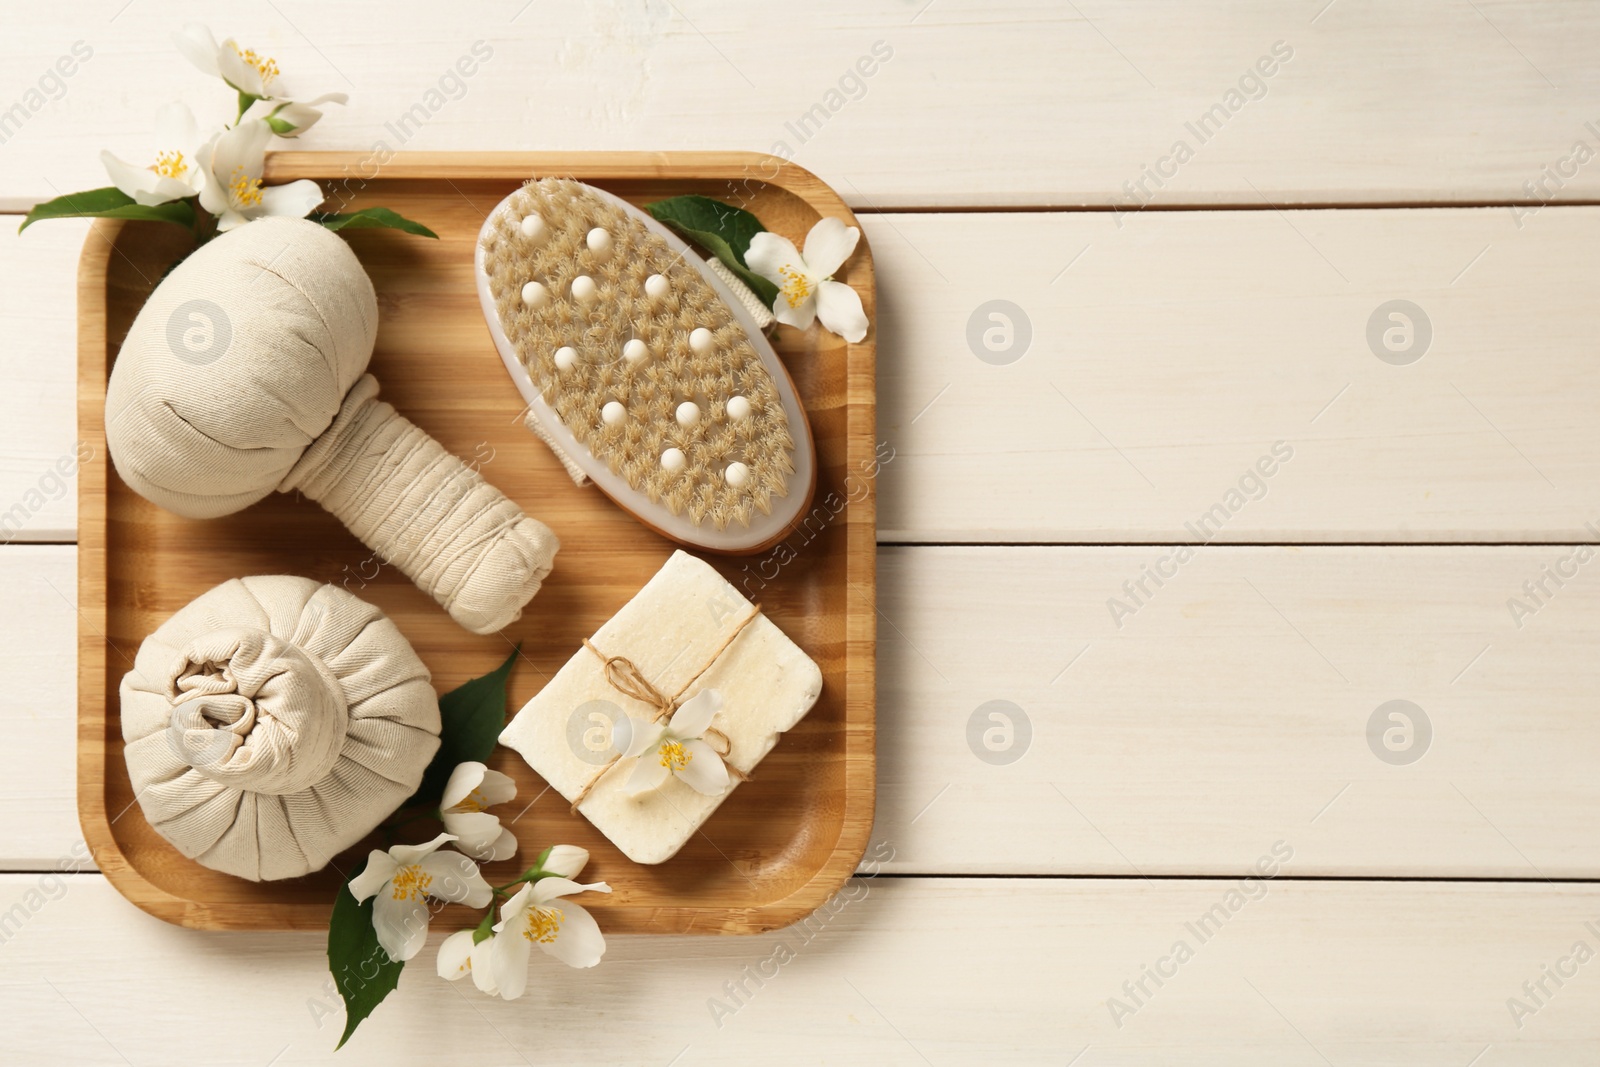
[
  {"x": 244, "y": 373},
  {"x": 274, "y": 722}
]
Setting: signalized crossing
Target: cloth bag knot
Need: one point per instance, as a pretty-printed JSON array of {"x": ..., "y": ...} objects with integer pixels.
[
  {"x": 273, "y": 722},
  {"x": 253, "y": 711}
]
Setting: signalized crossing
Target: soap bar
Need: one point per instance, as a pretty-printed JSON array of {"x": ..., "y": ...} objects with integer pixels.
[{"x": 676, "y": 631}]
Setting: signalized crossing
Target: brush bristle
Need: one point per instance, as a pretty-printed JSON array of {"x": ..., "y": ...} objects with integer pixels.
[{"x": 652, "y": 390}]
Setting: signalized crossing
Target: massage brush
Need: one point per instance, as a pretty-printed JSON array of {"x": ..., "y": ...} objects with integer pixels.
[
  {"x": 642, "y": 369},
  {"x": 245, "y": 373}
]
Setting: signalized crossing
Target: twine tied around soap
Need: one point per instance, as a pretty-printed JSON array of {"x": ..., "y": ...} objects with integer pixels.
[{"x": 625, "y": 677}]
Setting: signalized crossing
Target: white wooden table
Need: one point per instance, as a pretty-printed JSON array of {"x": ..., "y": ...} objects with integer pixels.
[{"x": 1046, "y": 864}]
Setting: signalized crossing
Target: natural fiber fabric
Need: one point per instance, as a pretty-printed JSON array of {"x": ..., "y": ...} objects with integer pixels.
[
  {"x": 273, "y": 722},
  {"x": 240, "y": 376},
  {"x": 238, "y": 361},
  {"x": 437, "y": 520}
]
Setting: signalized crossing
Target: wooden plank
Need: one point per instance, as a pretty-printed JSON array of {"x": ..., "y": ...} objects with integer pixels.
[
  {"x": 38, "y": 712},
  {"x": 1168, "y": 358},
  {"x": 1232, "y": 707},
  {"x": 1209, "y": 723},
  {"x": 1426, "y": 969},
  {"x": 1028, "y": 102},
  {"x": 39, "y": 457}
]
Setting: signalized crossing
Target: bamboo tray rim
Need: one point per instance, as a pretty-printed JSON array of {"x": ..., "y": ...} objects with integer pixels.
[{"x": 859, "y": 726}]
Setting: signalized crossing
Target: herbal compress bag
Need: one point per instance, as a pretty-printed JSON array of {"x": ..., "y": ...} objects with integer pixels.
[
  {"x": 245, "y": 372},
  {"x": 273, "y": 723}
]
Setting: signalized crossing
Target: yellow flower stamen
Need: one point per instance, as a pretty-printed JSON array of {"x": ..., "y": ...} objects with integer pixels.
[
  {"x": 170, "y": 164},
  {"x": 674, "y": 757},
  {"x": 473, "y": 801},
  {"x": 411, "y": 883},
  {"x": 265, "y": 66},
  {"x": 244, "y": 190},
  {"x": 544, "y": 924},
  {"x": 796, "y": 288}
]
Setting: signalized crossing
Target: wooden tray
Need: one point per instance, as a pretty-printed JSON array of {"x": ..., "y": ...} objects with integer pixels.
[{"x": 785, "y": 841}]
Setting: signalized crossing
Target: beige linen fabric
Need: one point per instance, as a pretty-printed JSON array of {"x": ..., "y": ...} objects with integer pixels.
[
  {"x": 426, "y": 512},
  {"x": 237, "y": 362},
  {"x": 249, "y": 354},
  {"x": 273, "y": 722}
]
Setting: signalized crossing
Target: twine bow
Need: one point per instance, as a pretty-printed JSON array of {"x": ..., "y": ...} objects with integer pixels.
[{"x": 624, "y": 676}]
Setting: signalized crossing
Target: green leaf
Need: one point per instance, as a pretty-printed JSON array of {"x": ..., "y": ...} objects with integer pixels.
[
  {"x": 721, "y": 229},
  {"x": 362, "y": 971},
  {"x": 471, "y": 720},
  {"x": 702, "y": 214},
  {"x": 109, "y": 203},
  {"x": 369, "y": 218}
]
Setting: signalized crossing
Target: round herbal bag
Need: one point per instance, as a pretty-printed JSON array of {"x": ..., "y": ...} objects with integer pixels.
[{"x": 274, "y": 722}]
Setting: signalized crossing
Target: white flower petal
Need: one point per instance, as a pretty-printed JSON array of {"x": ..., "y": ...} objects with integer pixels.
[
  {"x": 143, "y": 184},
  {"x": 800, "y": 316},
  {"x": 236, "y": 72},
  {"x": 828, "y": 245},
  {"x": 705, "y": 772},
  {"x": 483, "y": 966},
  {"x": 648, "y": 773},
  {"x": 839, "y": 308},
  {"x": 769, "y": 253},
  {"x": 694, "y": 717},
  {"x": 476, "y": 831},
  {"x": 504, "y": 847},
  {"x": 296, "y": 200},
  {"x": 621, "y": 734},
  {"x": 508, "y": 961},
  {"x": 568, "y": 861},
  {"x": 239, "y": 152},
  {"x": 547, "y": 889},
  {"x": 291, "y": 119},
  {"x": 406, "y": 855},
  {"x": 455, "y": 955},
  {"x": 456, "y": 879},
  {"x": 243, "y": 148},
  {"x": 374, "y": 876},
  {"x": 515, "y": 905},
  {"x": 463, "y": 780},
  {"x": 643, "y": 736},
  {"x": 578, "y": 942},
  {"x": 294, "y": 117},
  {"x": 402, "y": 925},
  {"x": 196, "y": 44},
  {"x": 213, "y": 194},
  {"x": 497, "y": 788}
]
